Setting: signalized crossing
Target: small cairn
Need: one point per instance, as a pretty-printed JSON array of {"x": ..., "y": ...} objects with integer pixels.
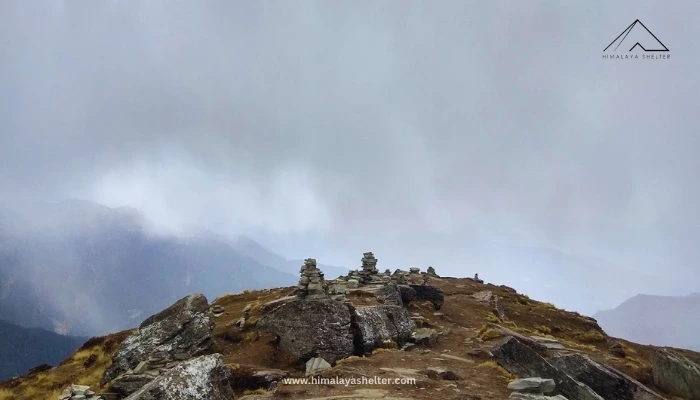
[
  {"x": 431, "y": 272},
  {"x": 311, "y": 283},
  {"x": 369, "y": 272},
  {"x": 476, "y": 278},
  {"x": 246, "y": 315}
]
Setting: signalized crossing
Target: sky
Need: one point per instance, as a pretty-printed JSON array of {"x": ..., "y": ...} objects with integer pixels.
[{"x": 472, "y": 136}]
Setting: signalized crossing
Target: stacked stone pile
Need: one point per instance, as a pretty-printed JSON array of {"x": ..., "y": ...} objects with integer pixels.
[
  {"x": 311, "y": 283},
  {"x": 400, "y": 277},
  {"x": 369, "y": 272}
]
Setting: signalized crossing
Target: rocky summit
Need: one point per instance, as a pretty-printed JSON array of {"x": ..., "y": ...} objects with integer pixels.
[{"x": 368, "y": 335}]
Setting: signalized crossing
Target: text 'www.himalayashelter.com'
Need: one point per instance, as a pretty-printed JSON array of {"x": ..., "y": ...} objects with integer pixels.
[{"x": 349, "y": 381}]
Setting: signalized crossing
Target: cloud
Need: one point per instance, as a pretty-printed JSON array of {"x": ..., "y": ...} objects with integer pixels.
[{"x": 415, "y": 129}]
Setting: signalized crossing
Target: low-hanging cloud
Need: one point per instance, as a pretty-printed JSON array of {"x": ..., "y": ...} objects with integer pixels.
[{"x": 418, "y": 130}]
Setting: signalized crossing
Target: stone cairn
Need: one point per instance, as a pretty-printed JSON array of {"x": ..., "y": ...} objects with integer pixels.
[
  {"x": 311, "y": 283},
  {"x": 431, "y": 271},
  {"x": 369, "y": 272}
]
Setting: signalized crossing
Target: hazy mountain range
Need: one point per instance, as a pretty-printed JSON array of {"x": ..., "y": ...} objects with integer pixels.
[
  {"x": 658, "y": 320},
  {"x": 24, "y": 348},
  {"x": 77, "y": 267}
]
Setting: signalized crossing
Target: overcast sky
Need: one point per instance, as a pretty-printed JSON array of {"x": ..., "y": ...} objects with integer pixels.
[{"x": 442, "y": 133}]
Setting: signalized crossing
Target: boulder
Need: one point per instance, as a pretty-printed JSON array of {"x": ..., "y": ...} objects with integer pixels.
[
  {"x": 676, "y": 375},
  {"x": 532, "y": 385},
  {"x": 316, "y": 365},
  {"x": 606, "y": 381},
  {"x": 378, "y": 323},
  {"x": 182, "y": 331},
  {"x": 204, "y": 377},
  {"x": 524, "y": 362},
  {"x": 407, "y": 294},
  {"x": 484, "y": 295},
  {"x": 307, "y": 329},
  {"x": 429, "y": 293},
  {"x": 389, "y": 294}
]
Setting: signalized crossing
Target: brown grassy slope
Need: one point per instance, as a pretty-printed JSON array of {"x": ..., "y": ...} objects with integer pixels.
[
  {"x": 84, "y": 367},
  {"x": 462, "y": 322}
]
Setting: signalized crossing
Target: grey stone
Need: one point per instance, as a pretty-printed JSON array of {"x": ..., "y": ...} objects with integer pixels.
[
  {"x": 310, "y": 328},
  {"x": 379, "y": 323},
  {"x": 425, "y": 336},
  {"x": 127, "y": 384},
  {"x": 533, "y": 385},
  {"x": 608, "y": 382},
  {"x": 203, "y": 377},
  {"x": 530, "y": 396},
  {"x": 414, "y": 270},
  {"x": 484, "y": 295},
  {"x": 407, "y": 293},
  {"x": 185, "y": 328},
  {"x": 521, "y": 360},
  {"x": 353, "y": 283},
  {"x": 389, "y": 294},
  {"x": 316, "y": 365},
  {"x": 429, "y": 293},
  {"x": 676, "y": 374}
]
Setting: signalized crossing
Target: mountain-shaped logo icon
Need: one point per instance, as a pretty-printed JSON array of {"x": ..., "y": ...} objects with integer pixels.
[{"x": 636, "y": 35}]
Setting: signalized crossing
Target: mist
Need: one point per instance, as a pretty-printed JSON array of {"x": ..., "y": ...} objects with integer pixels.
[{"x": 485, "y": 137}]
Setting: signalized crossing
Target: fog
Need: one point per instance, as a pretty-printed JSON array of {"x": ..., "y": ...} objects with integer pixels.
[{"x": 470, "y": 136}]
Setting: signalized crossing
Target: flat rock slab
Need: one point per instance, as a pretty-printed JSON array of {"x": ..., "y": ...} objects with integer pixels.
[
  {"x": 608, "y": 382},
  {"x": 360, "y": 394},
  {"x": 549, "y": 343},
  {"x": 533, "y": 385}
]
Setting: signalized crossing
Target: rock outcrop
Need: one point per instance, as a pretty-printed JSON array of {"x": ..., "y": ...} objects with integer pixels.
[
  {"x": 310, "y": 329},
  {"x": 376, "y": 324},
  {"x": 203, "y": 377},
  {"x": 521, "y": 360},
  {"x": 429, "y": 293},
  {"x": 676, "y": 375},
  {"x": 180, "y": 332},
  {"x": 606, "y": 381}
]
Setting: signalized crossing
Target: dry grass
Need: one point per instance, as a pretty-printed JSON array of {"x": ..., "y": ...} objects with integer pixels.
[
  {"x": 591, "y": 337},
  {"x": 249, "y": 348},
  {"x": 488, "y": 333},
  {"x": 543, "y": 329},
  {"x": 494, "y": 365},
  {"x": 85, "y": 367}
]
